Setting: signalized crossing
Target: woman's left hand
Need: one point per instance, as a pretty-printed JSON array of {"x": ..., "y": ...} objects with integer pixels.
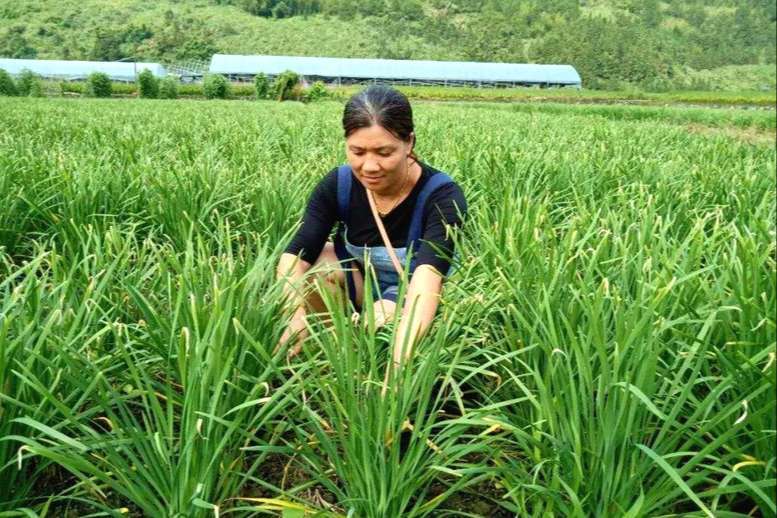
[{"x": 418, "y": 311}]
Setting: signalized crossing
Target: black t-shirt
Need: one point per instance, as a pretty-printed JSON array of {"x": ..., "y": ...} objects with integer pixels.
[{"x": 445, "y": 206}]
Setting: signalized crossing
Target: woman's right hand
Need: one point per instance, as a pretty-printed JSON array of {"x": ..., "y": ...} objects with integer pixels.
[
  {"x": 291, "y": 269},
  {"x": 295, "y": 333},
  {"x": 285, "y": 337}
]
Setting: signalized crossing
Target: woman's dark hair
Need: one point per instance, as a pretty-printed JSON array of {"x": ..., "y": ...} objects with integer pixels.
[{"x": 381, "y": 105}]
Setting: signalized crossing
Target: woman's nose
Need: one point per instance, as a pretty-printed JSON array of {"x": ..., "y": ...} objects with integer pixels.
[{"x": 371, "y": 166}]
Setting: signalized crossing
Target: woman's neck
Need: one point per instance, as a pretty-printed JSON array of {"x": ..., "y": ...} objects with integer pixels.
[{"x": 403, "y": 185}]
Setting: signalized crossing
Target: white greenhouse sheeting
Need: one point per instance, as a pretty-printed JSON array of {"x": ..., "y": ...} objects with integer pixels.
[
  {"x": 394, "y": 69},
  {"x": 73, "y": 70}
]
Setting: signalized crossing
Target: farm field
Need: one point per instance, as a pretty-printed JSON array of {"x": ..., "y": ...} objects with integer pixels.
[
  {"x": 605, "y": 348},
  {"x": 740, "y": 98}
]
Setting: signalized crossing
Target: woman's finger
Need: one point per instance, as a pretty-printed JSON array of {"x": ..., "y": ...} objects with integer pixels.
[{"x": 294, "y": 351}]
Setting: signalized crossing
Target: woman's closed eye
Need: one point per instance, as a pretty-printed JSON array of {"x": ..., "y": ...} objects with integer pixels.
[{"x": 383, "y": 154}]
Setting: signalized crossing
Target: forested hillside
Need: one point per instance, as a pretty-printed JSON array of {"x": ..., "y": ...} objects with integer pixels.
[{"x": 655, "y": 44}]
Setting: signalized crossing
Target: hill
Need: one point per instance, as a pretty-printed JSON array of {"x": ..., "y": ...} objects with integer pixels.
[{"x": 613, "y": 43}]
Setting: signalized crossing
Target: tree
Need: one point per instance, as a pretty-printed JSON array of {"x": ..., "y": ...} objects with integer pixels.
[
  {"x": 647, "y": 11},
  {"x": 168, "y": 88},
  {"x": 7, "y": 85},
  {"x": 181, "y": 39},
  {"x": 493, "y": 37},
  {"x": 347, "y": 9},
  {"x": 280, "y": 8},
  {"x": 315, "y": 93},
  {"x": 283, "y": 86},
  {"x": 148, "y": 85},
  {"x": 604, "y": 52},
  {"x": 405, "y": 10},
  {"x": 14, "y": 44},
  {"x": 28, "y": 84},
  {"x": 36, "y": 89},
  {"x": 107, "y": 46},
  {"x": 769, "y": 8},
  {"x": 215, "y": 86},
  {"x": 99, "y": 84},
  {"x": 261, "y": 86}
]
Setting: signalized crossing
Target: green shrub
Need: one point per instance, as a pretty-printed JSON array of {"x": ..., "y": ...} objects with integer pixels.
[
  {"x": 316, "y": 92},
  {"x": 283, "y": 86},
  {"x": 148, "y": 85},
  {"x": 121, "y": 88},
  {"x": 245, "y": 90},
  {"x": 242, "y": 90},
  {"x": 99, "y": 84},
  {"x": 190, "y": 89},
  {"x": 66, "y": 87},
  {"x": 168, "y": 88},
  {"x": 297, "y": 92},
  {"x": 36, "y": 89},
  {"x": 29, "y": 83},
  {"x": 81, "y": 88},
  {"x": 215, "y": 86},
  {"x": 7, "y": 85},
  {"x": 261, "y": 86}
]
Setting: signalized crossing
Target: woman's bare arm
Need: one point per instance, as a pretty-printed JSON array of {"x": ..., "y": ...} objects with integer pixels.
[
  {"x": 421, "y": 301},
  {"x": 292, "y": 270}
]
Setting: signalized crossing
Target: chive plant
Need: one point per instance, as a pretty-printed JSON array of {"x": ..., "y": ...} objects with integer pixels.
[{"x": 606, "y": 346}]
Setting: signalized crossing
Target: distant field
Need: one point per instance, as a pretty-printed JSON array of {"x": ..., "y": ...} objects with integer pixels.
[
  {"x": 570, "y": 95},
  {"x": 606, "y": 347},
  {"x": 766, "y": 99}
]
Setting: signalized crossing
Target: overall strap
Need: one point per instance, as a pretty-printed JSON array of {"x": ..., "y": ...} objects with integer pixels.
[
  {"x": 416, "y": 224},
  {"x": 344, "y": 180}
]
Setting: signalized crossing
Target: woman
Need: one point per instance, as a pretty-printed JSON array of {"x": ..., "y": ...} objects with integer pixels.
[{"x": 383, "y": 180}]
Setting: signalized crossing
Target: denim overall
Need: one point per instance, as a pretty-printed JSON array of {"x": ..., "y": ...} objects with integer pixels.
[{"x": 385, "y": 276}]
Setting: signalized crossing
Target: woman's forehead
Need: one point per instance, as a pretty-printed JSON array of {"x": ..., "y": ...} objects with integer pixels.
[{"x": 372, "y": 137}]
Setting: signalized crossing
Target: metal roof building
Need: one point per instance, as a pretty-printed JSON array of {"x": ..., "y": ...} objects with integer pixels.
[
  {"x": 348, "y": 70},
  {"x": 73, "y": 70}
]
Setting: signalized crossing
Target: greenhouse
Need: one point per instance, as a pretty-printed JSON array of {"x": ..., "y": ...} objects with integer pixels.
[
  {"x": 394, "y": 71},
  {"x": 77, "y": 70}
]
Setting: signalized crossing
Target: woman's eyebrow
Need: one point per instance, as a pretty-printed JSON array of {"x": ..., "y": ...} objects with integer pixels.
[{"x": 379, "y": 148}]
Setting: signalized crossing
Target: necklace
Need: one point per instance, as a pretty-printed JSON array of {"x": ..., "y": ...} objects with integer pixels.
[{"x": 384, "y": 213}]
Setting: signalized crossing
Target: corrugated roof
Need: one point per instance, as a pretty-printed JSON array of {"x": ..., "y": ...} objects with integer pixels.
[
  {"x": 395, "y": 69},
  {"x": 119, "y": 71}
]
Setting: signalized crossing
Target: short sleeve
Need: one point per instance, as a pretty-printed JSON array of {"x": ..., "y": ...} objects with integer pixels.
[
  {"x": 444, "y": 212},
  {"x": 318, "y": 220}
]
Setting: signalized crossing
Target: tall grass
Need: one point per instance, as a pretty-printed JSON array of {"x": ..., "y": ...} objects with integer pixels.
[{"x": 606, "y": 347}]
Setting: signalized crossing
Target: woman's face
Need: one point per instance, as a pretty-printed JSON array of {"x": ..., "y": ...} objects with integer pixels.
[{"x": 378, "y": 158}]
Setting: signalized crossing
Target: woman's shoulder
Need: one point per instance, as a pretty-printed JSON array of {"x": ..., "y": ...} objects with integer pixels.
[
  {"x": 329, "y": 180},
  {"x": 427, "y": 171},
  {"x": 448, "y": 189},
  {"x": 326, "y": 188}
]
